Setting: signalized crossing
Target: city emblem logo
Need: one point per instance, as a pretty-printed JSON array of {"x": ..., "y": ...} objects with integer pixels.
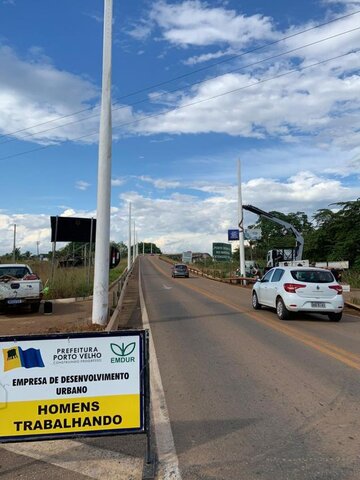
[{"x": 16, "y": 357}]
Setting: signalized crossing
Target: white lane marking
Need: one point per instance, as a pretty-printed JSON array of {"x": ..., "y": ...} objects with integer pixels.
[
  {"x": 71, "y": 455},
  {"x": 166, "y": 287},
  {"x": 166, "y": 453}
]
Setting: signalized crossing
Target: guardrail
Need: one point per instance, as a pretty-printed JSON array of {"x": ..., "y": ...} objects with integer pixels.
[{"x": 119, "y": 289}]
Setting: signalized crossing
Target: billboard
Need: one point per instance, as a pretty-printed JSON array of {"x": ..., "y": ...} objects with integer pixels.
[
  {"x": 221, "y": 252},
  {"x": 72, "y": 229},
  {"x": 66, "y": 385}
]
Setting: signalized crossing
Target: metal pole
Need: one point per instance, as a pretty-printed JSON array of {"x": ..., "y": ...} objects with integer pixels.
[
  {"x": 143, "y": 248},
  {"x": 14, "y": 245},
  {"x": 241, "y": 225},
  {"x": 129, "y": 241},
  {"x": 101, "y": 273},
  {"x": 54, "y": 249},
  {"x": 90, "y": 252},
  {"x": 134, "y": 255}
]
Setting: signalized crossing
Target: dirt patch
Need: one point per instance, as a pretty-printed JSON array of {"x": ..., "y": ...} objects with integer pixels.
[{"x": 65, "y": 317}]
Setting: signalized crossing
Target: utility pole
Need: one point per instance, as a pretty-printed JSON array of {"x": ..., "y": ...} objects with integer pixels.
[
  {"x": 241, "y": 225},
  {"x": 14, "y": 245},
  {"x": 101, "y": 273},
  {"x": 129, "y": 240},
  {"x": 134, "y": 246}
]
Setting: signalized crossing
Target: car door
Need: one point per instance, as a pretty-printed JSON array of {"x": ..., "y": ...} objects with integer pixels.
[
  {"x": 273, "y": 286},
  {"x": 263, "y": 291}
]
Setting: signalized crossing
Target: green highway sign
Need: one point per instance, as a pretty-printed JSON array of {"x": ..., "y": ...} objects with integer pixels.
[{"x": 221, "y": 252}]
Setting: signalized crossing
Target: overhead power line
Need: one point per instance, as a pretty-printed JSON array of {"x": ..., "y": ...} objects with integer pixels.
[
  {"x": 155, "y": 97},
  {"x": 185, "y": 75},
  {"x": 146, "y": 117}
]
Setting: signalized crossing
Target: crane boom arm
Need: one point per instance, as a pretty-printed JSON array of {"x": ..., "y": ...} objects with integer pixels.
[{"x": 287, "y": 225}]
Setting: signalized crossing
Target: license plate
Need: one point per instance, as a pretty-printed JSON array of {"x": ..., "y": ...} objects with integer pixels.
[
  {"x": 13, "y": 301},
  {"x": 318, "y": 304}
]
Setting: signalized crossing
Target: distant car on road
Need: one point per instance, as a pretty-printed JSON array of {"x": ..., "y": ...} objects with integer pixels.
[
  {"x": 180, "y": 270},
  {"x": 299, "y": 289}
]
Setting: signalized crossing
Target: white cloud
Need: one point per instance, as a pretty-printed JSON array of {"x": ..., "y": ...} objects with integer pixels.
[
  {"x": 205, "y": 57},
  {"x": 81, "y": 185},
  {"x": 310, "y": 102},
  {"x": 160, "y": 183},
  {"x": 185, "y": 220},
  {"x": 319, "y": 102},
  {"x": 32, "y": 91},
  {"x": 195, "y": 23},
  {"x": 117, "y": 182},
  {"x": 140, "y": 31}
]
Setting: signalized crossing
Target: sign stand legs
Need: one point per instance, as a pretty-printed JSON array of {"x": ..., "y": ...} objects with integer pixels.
[{"x": 149, "y": 469}]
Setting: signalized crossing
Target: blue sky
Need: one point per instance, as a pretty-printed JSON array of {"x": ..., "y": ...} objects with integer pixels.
[{"x": 196, "y": 86}]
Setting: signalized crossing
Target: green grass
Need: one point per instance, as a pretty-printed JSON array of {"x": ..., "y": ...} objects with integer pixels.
[
  {"x": 71, "y": 282},
  {"x": 351, "y": 277}
]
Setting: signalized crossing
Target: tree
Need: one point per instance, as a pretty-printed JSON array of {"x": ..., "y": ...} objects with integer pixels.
[
  {"x": 149, "y": 248},
  {"x": 274, "y": 235}
]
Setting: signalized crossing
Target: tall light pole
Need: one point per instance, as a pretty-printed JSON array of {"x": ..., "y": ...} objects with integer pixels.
[
  {"x": 129, "y": 240},
  {"x": 241, "y": 225},
  {"x": 134, "y": 246},
  {"x": 14, "y": 244},
  {"x": 101, "y": 273}
]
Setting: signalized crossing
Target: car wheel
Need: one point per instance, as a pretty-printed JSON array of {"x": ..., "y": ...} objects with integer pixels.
[
  {"x": 35, "y": 307},
  {"x": 282, "y": 312},
  {"x": 255, "y": 303},
  {"x": 335, "y": 317}
]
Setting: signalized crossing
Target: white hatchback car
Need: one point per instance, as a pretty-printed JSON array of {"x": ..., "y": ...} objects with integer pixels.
[{"x": 299, "y": 289}]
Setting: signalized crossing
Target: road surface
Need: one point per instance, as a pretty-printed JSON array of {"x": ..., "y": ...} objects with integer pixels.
[
  {"x": 248, "y": 396},
  {"x": 237, "y": 394}
]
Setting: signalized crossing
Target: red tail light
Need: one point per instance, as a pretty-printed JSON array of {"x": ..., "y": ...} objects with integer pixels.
[
  {"x": 338, "y": 288},
  {"x": 292, "y": 287},
  {"x": 31, "y": 276}
]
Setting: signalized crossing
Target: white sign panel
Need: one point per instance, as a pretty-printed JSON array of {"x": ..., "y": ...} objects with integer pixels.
[
  {"x": 186, "y": 257},
  {"x": 252, "y": 234},
  {"x": 78, "y": 383}
]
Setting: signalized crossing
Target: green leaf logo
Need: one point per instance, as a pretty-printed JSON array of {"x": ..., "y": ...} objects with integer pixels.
[{"x": 123, "y": 350}]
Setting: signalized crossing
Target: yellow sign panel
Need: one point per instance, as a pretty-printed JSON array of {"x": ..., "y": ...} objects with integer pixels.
[{"x": 73, "y": 415}]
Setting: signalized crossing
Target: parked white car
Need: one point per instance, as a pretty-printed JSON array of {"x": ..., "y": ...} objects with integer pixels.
[
  {"x": 299, "y": 289},
  {"x": 19, "y": 286}
]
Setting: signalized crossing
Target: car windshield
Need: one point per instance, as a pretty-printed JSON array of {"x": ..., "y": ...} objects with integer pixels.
[
  {"x": 181, "y": 267},
  {"x": 17, "y": 272},
  {"x": 312, "y": 276}
]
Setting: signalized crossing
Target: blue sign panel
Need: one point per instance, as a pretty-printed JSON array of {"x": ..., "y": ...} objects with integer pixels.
[{"x": 233, "y": 234}]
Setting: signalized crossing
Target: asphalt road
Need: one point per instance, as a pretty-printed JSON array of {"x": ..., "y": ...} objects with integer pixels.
[{"x": 248, "y": 396}]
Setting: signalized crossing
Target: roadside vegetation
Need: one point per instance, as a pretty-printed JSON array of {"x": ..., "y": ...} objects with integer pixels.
[
  {"x": 71, "y": 275},
  {"x": 71, "y": 282}
]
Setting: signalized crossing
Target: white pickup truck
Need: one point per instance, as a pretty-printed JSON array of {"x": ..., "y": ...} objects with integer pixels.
[{"x": 19, "y": 286}]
